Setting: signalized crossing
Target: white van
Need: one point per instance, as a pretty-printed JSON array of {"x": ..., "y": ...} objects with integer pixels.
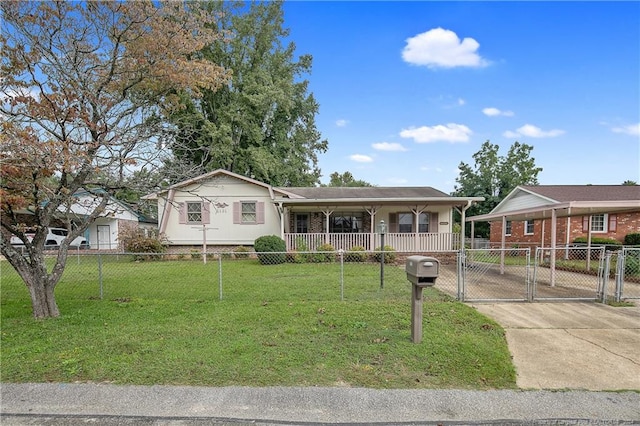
[{"x": 54, "y": 239}]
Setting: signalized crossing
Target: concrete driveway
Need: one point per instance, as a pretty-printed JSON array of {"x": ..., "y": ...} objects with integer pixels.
[{"x": 571, "y": 345}]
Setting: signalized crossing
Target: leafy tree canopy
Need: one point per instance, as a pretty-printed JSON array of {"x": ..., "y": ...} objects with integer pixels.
[
  {"x": 261, "y": 124},
  {"x": 346, "y": 179},
  {"x": 493, "y": 177}
]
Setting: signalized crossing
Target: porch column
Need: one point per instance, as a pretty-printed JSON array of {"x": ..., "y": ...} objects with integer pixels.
[
  {"x": 372, "y": 215},
  {"x": 473, "y": 231},
  {"x": 326, "y": 213},
  {"x": 416, "y": 222}
]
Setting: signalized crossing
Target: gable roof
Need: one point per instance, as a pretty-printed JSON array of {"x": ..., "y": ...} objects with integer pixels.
[
  {"x": 566, "y": 193},
  {"x": 537, "y": 202}
]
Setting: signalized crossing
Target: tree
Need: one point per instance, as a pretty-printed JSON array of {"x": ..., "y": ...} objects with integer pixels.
[
  {"x": 494, "y": 177},
  {"x": 84, "y": 87},
  {"x": 345, "y": 179},
  {"x": 261, "y": 125},
  {"x": 629, "y": 183}
]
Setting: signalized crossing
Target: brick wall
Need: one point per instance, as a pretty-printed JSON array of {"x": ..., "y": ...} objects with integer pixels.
[{"x": 626, "y": 223}]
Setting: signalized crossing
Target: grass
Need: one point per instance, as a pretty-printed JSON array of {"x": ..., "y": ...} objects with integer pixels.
[{"x": 163, "y": 323}]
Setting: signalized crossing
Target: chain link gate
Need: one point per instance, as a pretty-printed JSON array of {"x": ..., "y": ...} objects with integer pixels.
[
  {"x": 627, "y": 277},
  {"x": 494, "y": 275},
  {"x": 570, "y": 273}
]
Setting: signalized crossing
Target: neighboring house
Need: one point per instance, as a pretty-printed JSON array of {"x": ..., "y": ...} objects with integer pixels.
[
  {"x": 103, "y": 233},
  {"x": 550, "y": 215},
  {"x": 224, "y": 210}
]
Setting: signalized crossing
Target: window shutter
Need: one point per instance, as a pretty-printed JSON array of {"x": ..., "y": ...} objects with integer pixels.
[
  {"x": 433, "y": 222},
  {"x": 613, "y": 222},
  {"x": 260, "y": 213},
  {"x": 206, "y": 213},
  {"x": 182, "y": 216},
  {"x": 393, "y": 222},
  {"x": 585, "y": 223},
  {"x": 237, "y": 213}
]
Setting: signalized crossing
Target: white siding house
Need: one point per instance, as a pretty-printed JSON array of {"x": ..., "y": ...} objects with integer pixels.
[{"x": 223, "y": 209}]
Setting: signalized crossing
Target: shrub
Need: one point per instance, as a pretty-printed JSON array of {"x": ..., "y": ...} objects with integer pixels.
[
  {"x": 356, "y": 254},
  {"x": 632, "y": 239},
  {"x": 389, "y": 254},
  {"x": 271, "y": 249},
  {"x": 609, "y": 243},
  {"x": 325, "y": 253},
  {"x": 241, "y": 252},
  {"x": 135, "y": 241}
]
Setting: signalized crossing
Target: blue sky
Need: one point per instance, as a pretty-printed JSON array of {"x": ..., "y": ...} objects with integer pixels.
[{"x": 408, "y": 90}]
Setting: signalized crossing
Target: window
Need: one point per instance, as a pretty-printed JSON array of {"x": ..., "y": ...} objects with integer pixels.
[
  {"x": 598, "y": 223},
  {"x": 528, "y": 227},
  {"x": 302, "y": 223},
  {"x": 406, "y": 220},
  {"x": 249, "y": 211},
  {"x": 346, "y": 222},
  {"x": 507, "y": 228},
  {"x": 194, "y": 212}
]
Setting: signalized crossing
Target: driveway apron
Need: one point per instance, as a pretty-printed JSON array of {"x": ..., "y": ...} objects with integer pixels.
[{"x": 572, "y": 345}]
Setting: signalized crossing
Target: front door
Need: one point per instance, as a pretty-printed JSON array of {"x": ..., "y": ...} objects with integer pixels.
[
  {"x": 104, "y": 237},
  {"x": 302, "y": 223}
]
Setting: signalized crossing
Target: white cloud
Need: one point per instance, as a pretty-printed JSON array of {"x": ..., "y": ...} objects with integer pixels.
[
  {"x": 440, "y": 48},
  {"x": 431, "y": 169},
  {"x": 532, "y": 131},
  {"x": 461, "y": 101},
  {"x": 342, "y": 123},
  {"x": 388, "y": 146},
  {"x": 451, "y": 133},
  {"x": 631, "y": 129},
  {"x": 494, "y": 112},
  {"x": 360, "y": 158}
]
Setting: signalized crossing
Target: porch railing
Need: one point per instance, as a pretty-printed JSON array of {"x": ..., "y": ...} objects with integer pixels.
[{"x": 403, "y": 242}]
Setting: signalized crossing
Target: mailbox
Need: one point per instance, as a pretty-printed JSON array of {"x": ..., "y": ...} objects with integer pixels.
[{"x": 422, "y": 270}]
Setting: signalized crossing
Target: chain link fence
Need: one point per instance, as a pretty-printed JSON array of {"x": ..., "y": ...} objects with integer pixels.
[
  {"x": 627, "y": 274},
  {"x": 512, "y": 274}
]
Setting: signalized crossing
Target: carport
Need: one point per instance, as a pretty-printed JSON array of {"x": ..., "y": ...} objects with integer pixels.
[{"x": 558, "y": 203}]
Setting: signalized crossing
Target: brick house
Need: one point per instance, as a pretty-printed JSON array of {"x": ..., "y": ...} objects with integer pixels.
[{"x": 550, "y": 215}]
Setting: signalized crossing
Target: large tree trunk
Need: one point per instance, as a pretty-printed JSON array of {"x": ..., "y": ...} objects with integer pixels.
[{"x": 43, "y": 300}]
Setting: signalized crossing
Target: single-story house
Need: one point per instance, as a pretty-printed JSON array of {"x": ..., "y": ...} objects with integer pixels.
[
  {"x": 103, "y": 233},
  {"x": 553, "y": 215},
  {"x": 223, "y": 210}
]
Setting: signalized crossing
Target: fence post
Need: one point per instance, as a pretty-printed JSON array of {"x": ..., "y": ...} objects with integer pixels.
[
  {"x": 100, "y": 274},
  {"x": 620, "y": 274},
  {"x": 341, "y": 254},
  {"x": 461, "y": 272},
  {"x": 529, "y": 290},
  {"x": 604, "y": 278},
  {"x": 220, "y": 274}
]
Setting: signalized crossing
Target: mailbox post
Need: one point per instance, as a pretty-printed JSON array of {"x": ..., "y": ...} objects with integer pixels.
[{"x": 422, "y": 272}]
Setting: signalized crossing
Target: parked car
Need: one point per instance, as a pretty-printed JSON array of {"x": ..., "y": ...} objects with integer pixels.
[{"x": 54, "y": 239}]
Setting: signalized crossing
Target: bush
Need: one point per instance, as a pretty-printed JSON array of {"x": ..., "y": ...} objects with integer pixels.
[
  {"x": 325, "y": 253},
  {"x": 241, "y": 252},
  {"x": 632, "y": 239},
  {"x": 135, "y": 241},
  {"x": 609, "y": 243},
  {"x": 356, "y": 254},
  {"x": 389, "y": 254},
  {"x": 271, "y": 249}
]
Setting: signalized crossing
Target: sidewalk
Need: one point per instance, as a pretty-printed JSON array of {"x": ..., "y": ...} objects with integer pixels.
[{"x": 179, "y": 405}]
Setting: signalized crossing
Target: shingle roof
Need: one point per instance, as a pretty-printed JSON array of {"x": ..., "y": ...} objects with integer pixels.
[
  {"x": 566, "y": 193},
  {"x": 320, "y": 193}
]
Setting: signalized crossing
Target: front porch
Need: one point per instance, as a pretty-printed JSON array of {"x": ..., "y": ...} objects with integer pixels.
[{"x": 400, "y": 241}]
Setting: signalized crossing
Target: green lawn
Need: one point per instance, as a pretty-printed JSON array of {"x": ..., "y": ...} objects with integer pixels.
[{"x": 163, "y": 323}]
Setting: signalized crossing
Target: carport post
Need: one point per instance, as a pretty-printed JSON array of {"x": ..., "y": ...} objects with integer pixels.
[{"x": 552, "y": 258}]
